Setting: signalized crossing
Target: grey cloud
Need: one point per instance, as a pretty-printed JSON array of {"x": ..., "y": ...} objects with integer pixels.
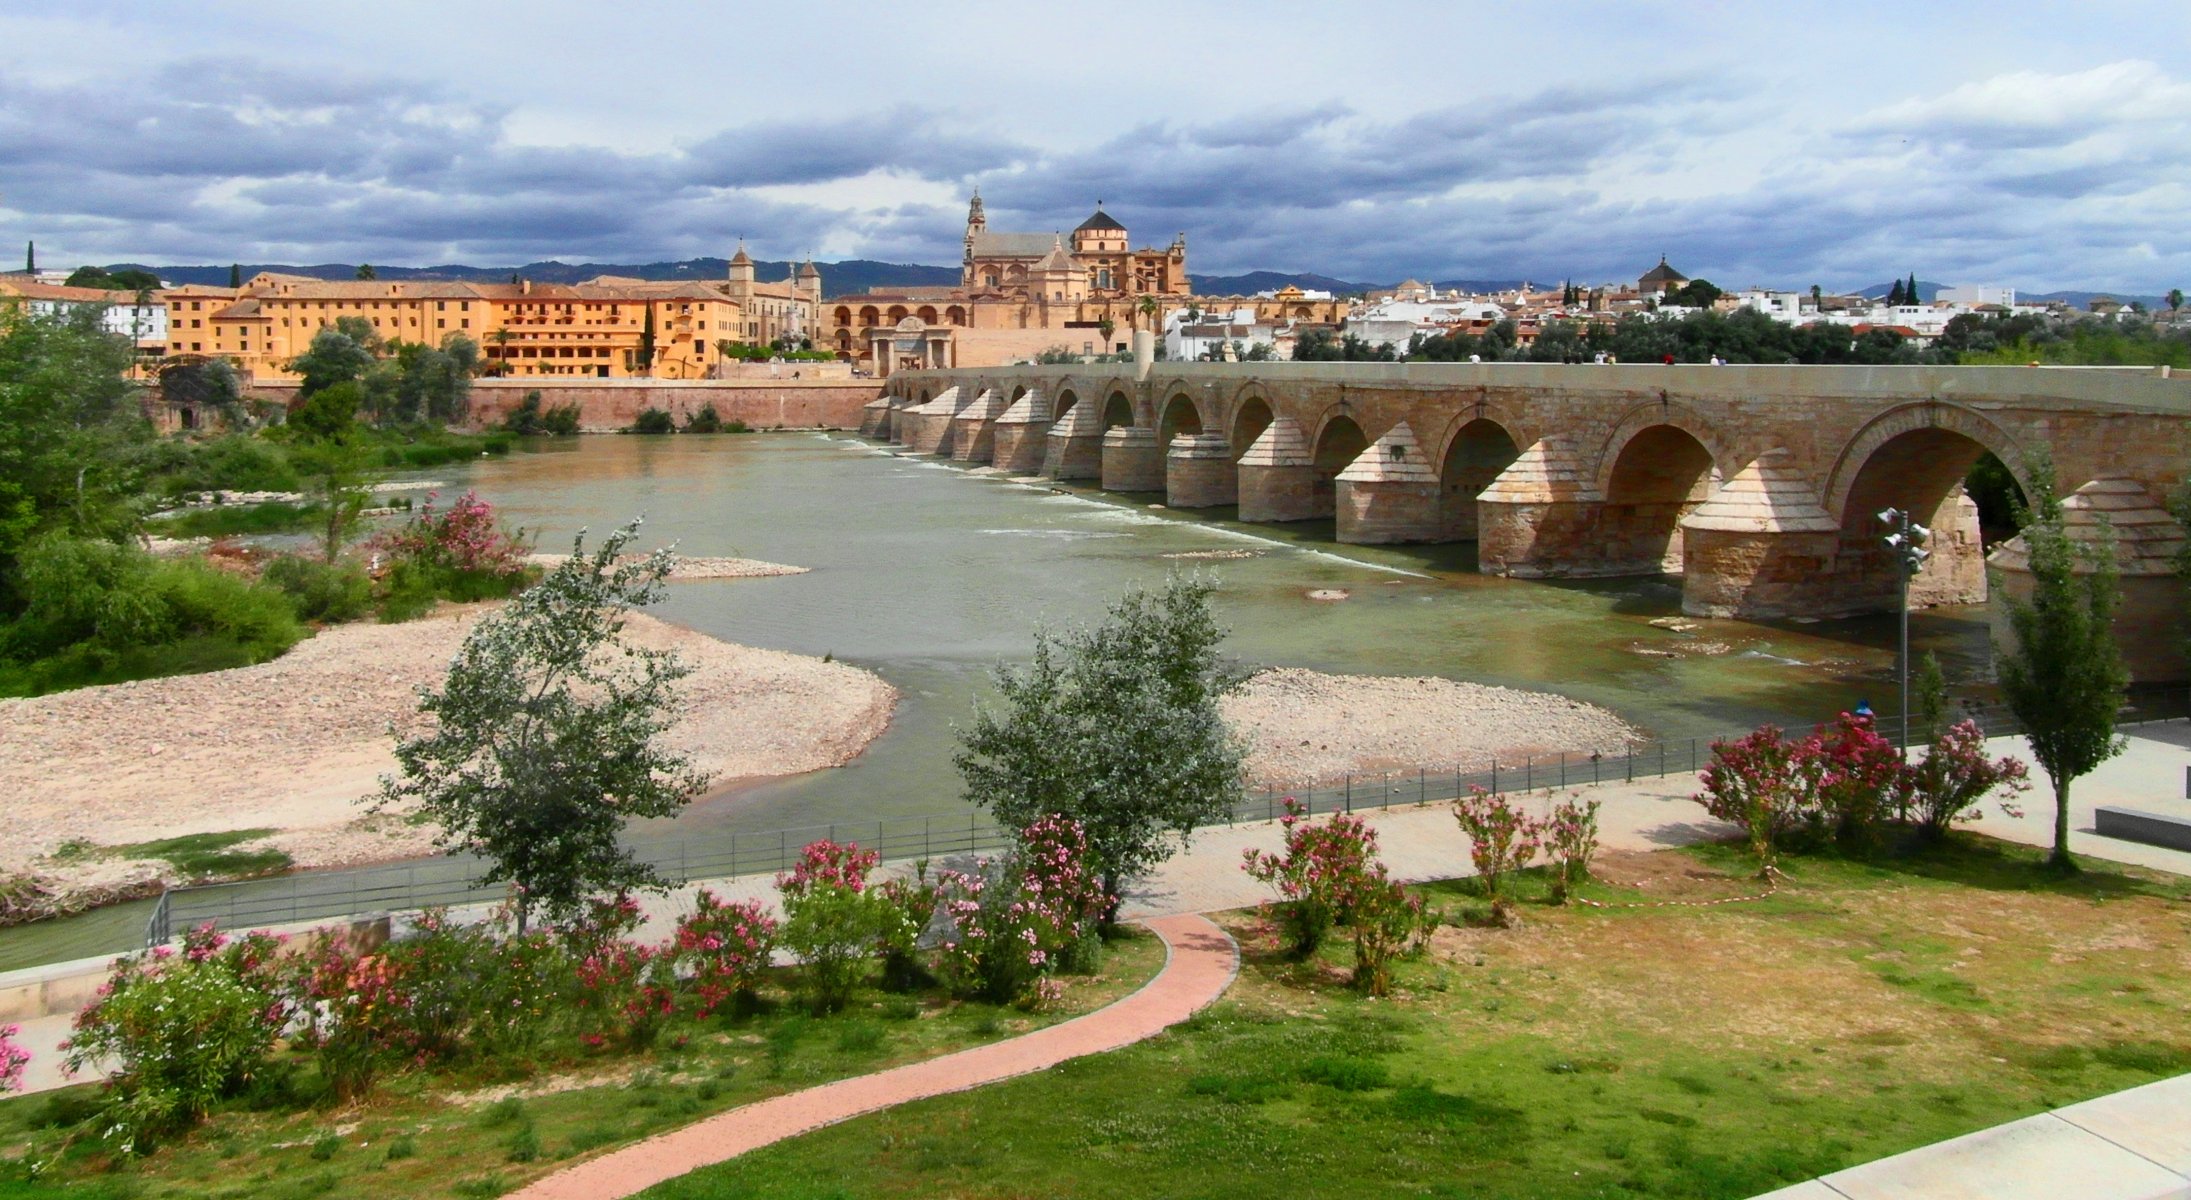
[{"x": 789, "y": 152}]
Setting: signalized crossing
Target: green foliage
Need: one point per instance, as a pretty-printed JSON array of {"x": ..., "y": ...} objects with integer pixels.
[
  {"x": 231, "y": 520},
  {"x": 546, "y": 731},
  {"x": 66, "y": 416},
  {"x": 128, "y": 279},
  {"x": 1697, "y": 293},
  {"x": 529, "y": 419},
  {"x": 236, "y": 462},
  {"x": 210, "y": 384},
  {"x": 1929, "y": 695},
  {"x": 327, "y": 413},
  {"x": 1116, "y": 727},
  {"x": 101, "y": 612},
  {"x": 1056, "y": 356},
  {"x": 179, "y": 1032},
  {"x": 321, "y": 591},
  {"x": 334, "y": 356},
  {"x": 419, "y": 382},
  {"x": 2015, "y": 341},
  {"x": 2063, "y": 676},
  {"x": 1320, "y": 345},
  {"x": 652, "y": 420},
  {"x": 704, "y": 421},
  {"x": 335, "y": 472}
]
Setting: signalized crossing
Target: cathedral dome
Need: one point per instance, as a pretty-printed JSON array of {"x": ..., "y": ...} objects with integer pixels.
[{"x": 1101, "y": 222}]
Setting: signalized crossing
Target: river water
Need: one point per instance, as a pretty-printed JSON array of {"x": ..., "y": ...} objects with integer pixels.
[{"x": 929, "y": 574}]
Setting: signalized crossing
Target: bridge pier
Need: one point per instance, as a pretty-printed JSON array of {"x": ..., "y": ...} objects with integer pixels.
[
  {"x": 1276, "y": 479},
  {"x": 928, "y": 427},
  {"x": 1073, "y": 448},
  {"x": 1132, "y": 461},
  {"x": 1198, "y": 472},
  {"x": 974, "y": 429},
  {"x": 1022, "y": 434},
  {"x": 875, "y": 418},
  {"x": 1760, "y": 547},
  {"x": 1389, "y": 494},
  {"x": 1535, "y": 517},
  {"x": 2149, "y": 617}
]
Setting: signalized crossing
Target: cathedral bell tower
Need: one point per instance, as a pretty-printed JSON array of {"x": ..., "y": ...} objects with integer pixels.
[{"x": 976, "y": 222}]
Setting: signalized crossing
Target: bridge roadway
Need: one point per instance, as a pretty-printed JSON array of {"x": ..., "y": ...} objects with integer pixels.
[{"x": 1757, "y": 485}]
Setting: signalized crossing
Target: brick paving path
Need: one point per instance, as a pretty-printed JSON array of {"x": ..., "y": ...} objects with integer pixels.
[{"x": 1200, "y": 963}]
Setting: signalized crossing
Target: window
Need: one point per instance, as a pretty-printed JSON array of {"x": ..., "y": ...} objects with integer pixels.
[{"x": 464, "y": 322}]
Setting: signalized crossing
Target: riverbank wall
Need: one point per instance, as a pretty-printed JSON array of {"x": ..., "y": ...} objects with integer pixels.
[{"x": 607, "y": 405}]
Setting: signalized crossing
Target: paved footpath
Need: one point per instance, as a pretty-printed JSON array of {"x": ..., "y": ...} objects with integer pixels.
[{"x": 1200, "y": 963}]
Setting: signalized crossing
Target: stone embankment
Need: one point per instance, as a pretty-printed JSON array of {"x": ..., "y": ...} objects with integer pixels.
[
  {"x": 1306, "y": 727},
  {"x": 293, "y": 744}
]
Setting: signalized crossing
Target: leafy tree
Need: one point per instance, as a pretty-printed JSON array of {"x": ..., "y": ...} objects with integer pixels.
[
  {"x": 366, "y": 271},
  {"x": 1116, "y": 727},
  {"x": 1895, "y": 296},
  {"x": 328, "y": 414},
  {"x": 333, "y": 357},
  {"x": 210, "y": 383},
  {"x": 67, "y": 416},
  {"x": 2063, "y": 676},
  {"x": 2175, "y": 299},
  {"x": 1697, "y": 293},
  {"x": 546, "y": 735}
]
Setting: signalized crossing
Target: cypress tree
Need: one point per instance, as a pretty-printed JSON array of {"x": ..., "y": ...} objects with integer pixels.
[
  {"x": 30, "y": 258},
  {"x": 235, "y": 275},
  {"x": 1909, "y": 294},
  {"x": 1894, "y": 295}
]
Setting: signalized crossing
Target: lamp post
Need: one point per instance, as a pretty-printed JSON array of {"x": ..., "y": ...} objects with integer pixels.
[{"x": 1906, "y": 542}]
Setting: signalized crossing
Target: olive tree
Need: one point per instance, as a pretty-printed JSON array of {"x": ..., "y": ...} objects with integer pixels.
[
  {"x": 2064, "y": 676},
  {"x": 546, "y": 735},
  {"x": 1115, "y": 726}
]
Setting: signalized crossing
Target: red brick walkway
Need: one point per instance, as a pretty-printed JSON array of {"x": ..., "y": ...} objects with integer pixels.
[{"x": 1200, "y": 965}]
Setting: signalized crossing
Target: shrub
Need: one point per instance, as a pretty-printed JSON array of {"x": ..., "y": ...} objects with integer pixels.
[
  {"x": 911, "y": 906},
  {"x": 355, "y": 1014},
  {"x": 561, "y": 420},
  {"x": 1955, "y": 774},
  {"x": 652, "y": 420},
  {"x": 1839, "y": 783},
  {"x": 1861, "y": 781},
  {"x": 183, "y": 1031},
  {"x": 832, "y": 920},
  {"x": 103, "y": 600},
  {"x": 1387, "y": 920},
  {"x": 1502, "y": 840},
  {"x": 13, "y": 1059},
  {"x": 704, "y": 421},
  {"x": 725, "y": 948},
  {"x": 235, "y": 463},
  {"x": 1008, "y": 922},
  {"x": 1319, "y": 875},
  {"x": 626, "y": 991},
  {"x": 320, "y": 591},
  {"x": 1571, "y": 836},
  {"x": 525, "y": 420},
  {"x": 1751, "y": 783},
  {"x": 462, "y": 553}
]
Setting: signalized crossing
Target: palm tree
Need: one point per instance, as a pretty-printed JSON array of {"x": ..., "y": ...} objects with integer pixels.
[{"x": 1153, "y": 310}]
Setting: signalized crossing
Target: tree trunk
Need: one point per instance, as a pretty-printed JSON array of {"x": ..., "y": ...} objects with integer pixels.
[{"x": 2060, "y": 858}]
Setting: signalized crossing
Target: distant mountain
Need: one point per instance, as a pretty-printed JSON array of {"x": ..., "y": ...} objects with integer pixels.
[
  {"x": 1927, "y": 292},
  {"x": 1270, "y": 281},
  {"x": 838, "y": 278}
]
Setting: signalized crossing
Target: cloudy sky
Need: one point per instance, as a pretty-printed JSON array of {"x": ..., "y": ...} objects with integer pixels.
[{"x": 2039, "y": 146}]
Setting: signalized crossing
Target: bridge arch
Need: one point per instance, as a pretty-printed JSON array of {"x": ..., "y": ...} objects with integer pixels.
[
  {"x": 1661, "y": 473},
  {"x": 1181, "y": 417},
  {"x": 1063, "y": 403},
  {"x": 1668, "y": 414},
  {"x": 1915, "y": 458},
  {"x": 1118, "y": 409},
  {"x": 1339, "y": 441},
  {"x": 1251, "y": 415},
  {"x": 1475, "y": 454}
]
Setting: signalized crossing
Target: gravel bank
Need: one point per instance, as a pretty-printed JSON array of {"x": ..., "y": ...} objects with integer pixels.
[
  {"x": 695, "y": 568},
  {"x": 1306, "y": 727},
  {"x": 292, "y": 744}
]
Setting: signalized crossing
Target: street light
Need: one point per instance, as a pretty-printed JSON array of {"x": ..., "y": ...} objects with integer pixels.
[{"x": 1907, "y": 544}]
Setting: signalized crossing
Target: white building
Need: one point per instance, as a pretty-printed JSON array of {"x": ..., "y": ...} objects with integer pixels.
[
  {"x": 1210, "y": 331},
  {"x": 1781, "y": 306},
  {"x": 1977, "y": 293},
  {"x": 1395, "y": 323},
  {"x": 144, "y": 324}
]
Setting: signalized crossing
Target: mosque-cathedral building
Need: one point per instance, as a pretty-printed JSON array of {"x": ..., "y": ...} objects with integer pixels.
[{"x": 1022, "y": 293}]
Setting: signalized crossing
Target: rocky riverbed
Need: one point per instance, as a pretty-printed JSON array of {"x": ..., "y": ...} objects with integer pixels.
[
  {"x": 293, "y": 744},
  {"x": 1307, "y": 727}
]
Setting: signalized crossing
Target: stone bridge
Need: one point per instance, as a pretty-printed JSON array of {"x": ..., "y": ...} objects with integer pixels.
[{"x": 1758, "y": 485}]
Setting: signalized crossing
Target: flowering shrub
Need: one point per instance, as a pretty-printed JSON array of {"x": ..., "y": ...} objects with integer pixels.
[
  {"x": 1571, "y": 837},
  {"x": 13, "y": 1059},
  {"x": 1318, "y": 877},
  {"x": 725, "y": 947},
  {"x": 1502, "y": 840},
  {"x": 832, "y": 921},
  {"x": 1007, "y": 924},
  {"x": 355, "y": 1014},
  {"x": 1955, "y": 775},
  {"x": 1753, "y": 782},
  {"x": 181, "y": 1030},
  {"x": 1388, "y": 921},
  {"x": 910, "y": 906},
  {"x": 625, "y": 990},
  {"x": 467, "y": 536},
  {"x": 1861, "y": 779}
]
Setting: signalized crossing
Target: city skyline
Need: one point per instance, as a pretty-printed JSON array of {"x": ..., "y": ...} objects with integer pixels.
[{"x": 1749, "y": 146}]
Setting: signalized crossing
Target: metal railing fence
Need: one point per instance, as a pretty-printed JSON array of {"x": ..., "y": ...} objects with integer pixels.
[{"x": 447, "y": 881}]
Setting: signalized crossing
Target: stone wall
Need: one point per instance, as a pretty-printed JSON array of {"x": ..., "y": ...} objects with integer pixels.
[{"x": 607, "y": 405}]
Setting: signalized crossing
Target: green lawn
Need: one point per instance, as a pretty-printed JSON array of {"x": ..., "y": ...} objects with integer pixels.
[
  {"x": 494, "y": 1126},
  {"x": 1712, "y": 1051}
]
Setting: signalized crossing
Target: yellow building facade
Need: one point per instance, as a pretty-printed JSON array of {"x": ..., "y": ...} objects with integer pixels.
[{"x": 598, "y": 328}]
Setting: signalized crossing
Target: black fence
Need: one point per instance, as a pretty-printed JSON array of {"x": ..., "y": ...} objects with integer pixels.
[{"x": 449, "y": 881}]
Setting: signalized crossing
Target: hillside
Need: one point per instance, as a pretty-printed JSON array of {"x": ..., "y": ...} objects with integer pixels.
[{"x": 838, "y": 278}]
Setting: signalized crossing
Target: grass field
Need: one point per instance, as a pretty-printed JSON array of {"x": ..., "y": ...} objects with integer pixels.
[
  {"x": 1682, "y": 1050},
  {"x": 494, "y": 1126}
]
